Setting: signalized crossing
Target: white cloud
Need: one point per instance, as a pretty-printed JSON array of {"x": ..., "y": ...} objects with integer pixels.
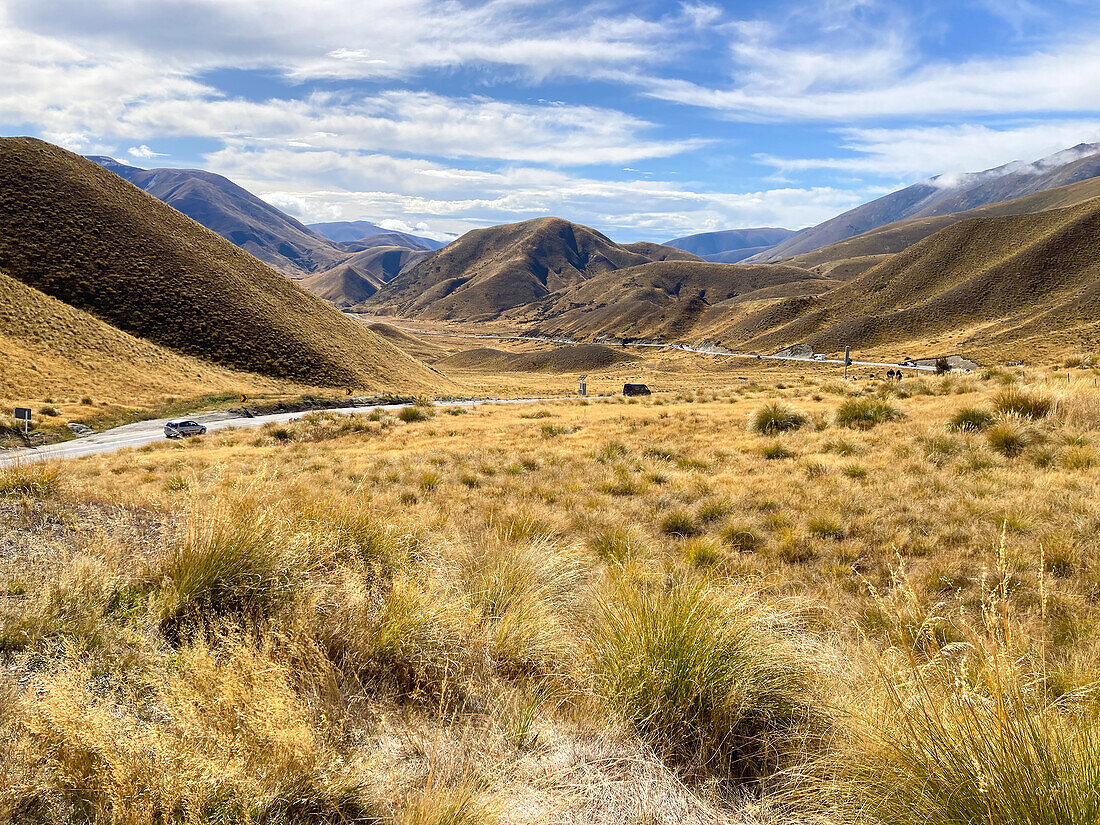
[
  {"x": 339, "y": 39},
  {"x": 348, "y": 185},
  {"x": 1061, "y": 79},
  {"x": 130, "y": 96},
  {"x": 919, "y": 152},
  {"x": 144, "y": 151}
]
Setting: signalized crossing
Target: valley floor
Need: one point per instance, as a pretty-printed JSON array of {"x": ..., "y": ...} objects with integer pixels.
[{"x": 779, "y": 598}]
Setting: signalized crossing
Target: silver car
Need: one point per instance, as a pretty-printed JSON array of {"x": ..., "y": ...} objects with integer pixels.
[{"x": 182, "y": 427}]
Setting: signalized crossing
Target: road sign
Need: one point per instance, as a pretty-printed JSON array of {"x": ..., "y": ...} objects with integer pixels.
[
  {"x": 347, "y": 391},
  {"x": 23, "y": 414},
  {"x": 243, "y": 397}
]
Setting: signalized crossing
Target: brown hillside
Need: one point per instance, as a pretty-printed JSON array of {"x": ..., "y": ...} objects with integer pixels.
[
  {"x": 418, "y": 346},
  {"x": 895, "y": 237},
  {"x": 489, "y": 271},
  {"x": 1029, "y": 281},
  {"x": 667, "y": 300},
  {"x": 80, "y": 233},
  {"x": 581, "y": 358},
  {"x": 361, "y": 275},
  {"x": 51, "y": 349}
]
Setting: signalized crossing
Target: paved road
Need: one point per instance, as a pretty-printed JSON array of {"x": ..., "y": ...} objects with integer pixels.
[
  {"x": 146, "y": 432},
  {"x": 701, "y": 349}
]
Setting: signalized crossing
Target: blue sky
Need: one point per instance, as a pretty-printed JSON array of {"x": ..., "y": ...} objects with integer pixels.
[{"x": 646, "y": 120}]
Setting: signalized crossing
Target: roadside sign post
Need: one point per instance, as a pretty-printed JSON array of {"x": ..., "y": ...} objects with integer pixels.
[
  {"x": 847, "y": 360},
  {"x": 23, "y": 414},
  {"x": 582, "y": 387}
]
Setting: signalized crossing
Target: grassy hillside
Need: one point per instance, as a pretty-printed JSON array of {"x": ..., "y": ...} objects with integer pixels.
[
  {"x": 488, "y": 271},
  {"x": 901, "y": 235},
  {"x": 660, "y": 252},
  {"x": 944, "y": 195},
  {"x": 666, "y": 300},
  {"x": 362, "y": 274},
  {"x": 75, "y": 231},
  {"x": 730, "y": 242},
  {"x": 1025, "y": 284},
  {"x": 54, "y": 351}
]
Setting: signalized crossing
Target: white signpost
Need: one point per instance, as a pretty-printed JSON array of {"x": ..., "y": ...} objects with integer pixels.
[{"x": 23, "y": 414}]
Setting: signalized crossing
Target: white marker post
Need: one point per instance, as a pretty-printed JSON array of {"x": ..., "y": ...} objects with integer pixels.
[
  {"x": 847, "y": 360},
  {"x": 23, "y": 414}
]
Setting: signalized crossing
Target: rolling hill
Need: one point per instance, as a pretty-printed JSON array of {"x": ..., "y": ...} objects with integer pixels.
[
  {"x": 943, "y": 195},
  {"x": 73, "y": 230},
  {"x": 1024, "y": 284},
  {"x": 667, "y": 300},
  {"x": 53, "y": 350},
  {"x": 489, "y": 271},
  {"x": 731, "y": 245}
]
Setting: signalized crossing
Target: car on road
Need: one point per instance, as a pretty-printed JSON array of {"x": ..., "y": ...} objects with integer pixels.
[
  {"x": 183, "y": 427},
  {"x": 908, "y": 362},
  {"x": 819, "y": 357}
]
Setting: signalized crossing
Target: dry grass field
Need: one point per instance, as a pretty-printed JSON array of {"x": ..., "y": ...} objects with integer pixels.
[{"x": 768, "y": 600}]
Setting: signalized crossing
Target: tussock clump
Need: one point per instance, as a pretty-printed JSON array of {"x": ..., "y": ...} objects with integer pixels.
[
  {"x": 416, "y": 412},
  {"x": 1023, "y": 404},
  {"x": 703, "y": 682},
  {"x": 773, "y": 452},
  {"x": 1009, "y": 437},
  {"x": 151, "y": 751},
  {"x": 524, "y": 591},
  {"x": 402, "y": 637},
  {"x": 997, "y": 754},
  {"x": 865, "y": 413},
  {"x": 1079, "y": 409},
  {"x": 30, "y": 480},
  {"x": 239, "y": 554},
  {"x": 971, "y": 419},
  {"x": 742, "y": 538},
  {"x": 776, "y": 418},
  {"x": 681, "y": 524}
]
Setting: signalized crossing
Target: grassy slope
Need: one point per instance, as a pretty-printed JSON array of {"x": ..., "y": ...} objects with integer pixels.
[
  {"x": 1017, "y": 283},
  {"x": 668, "y": 299},
  {"x": 80, "y": 233},
  {"x": 564, "y": 613},
  {"x": 488, "y": 271},
  {"x": 895, "y": 237},
  {"x": 54, "y": 350},
  {"x": 360, "y": 276}
]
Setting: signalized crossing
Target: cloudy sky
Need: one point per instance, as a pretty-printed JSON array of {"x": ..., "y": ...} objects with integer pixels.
[{"x": 646, "y": 120}]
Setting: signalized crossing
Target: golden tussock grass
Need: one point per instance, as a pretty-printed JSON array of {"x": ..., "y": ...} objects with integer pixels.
[{"x": 639, "y": 618}]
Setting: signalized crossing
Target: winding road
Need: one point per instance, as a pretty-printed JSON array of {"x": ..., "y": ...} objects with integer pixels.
[
  {"x": 141, "y": 433},
  {"x": 700, "y": 349}
]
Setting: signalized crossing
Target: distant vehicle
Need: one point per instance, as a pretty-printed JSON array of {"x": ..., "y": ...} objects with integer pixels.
[
  {"x": 183, "y": 427},
  {"x": 908, "y": 362},
  {"x": 819, "y": 357},
  {"x": 636, "y": 389}
]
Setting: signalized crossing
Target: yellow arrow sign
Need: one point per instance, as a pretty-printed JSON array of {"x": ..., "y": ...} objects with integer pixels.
[
  {"x": 347, "y": 391},
  {"x": 243, "y": 397}
]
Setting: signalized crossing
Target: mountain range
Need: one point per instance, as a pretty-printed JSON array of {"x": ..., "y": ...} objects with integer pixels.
[
  {"x": 945, "y": 195},
  {"x": 83, "y": 249},
  {"x": 731, "y": 245},
  {"x": 271, "y": 235}
]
